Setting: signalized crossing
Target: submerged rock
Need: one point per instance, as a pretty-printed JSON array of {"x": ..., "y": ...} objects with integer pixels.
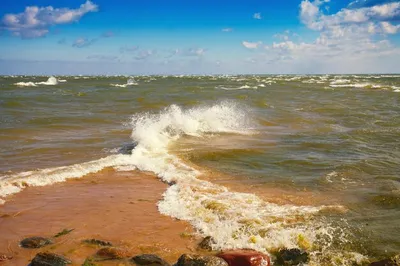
[
  {"x": 112, "y": 253},
  {"x": 97, "y": 242},
  {"x": 245, "y": 257},
  {"x": 292, "y": 256},
  {"x": 395, "y": 261},
  {"x": 149, "y": 260},
  {"x": 35, "y": 242},
  {"x": 197, "y": 260},
  {"x": 64, "y": 232},
  {"x": 89, "y": 262},
  {"x": 49, "y": 259},
  {"x": 207, "y": 243}
]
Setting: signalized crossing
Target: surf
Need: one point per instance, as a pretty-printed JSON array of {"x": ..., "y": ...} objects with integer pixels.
[{"x": 233, "y": 219}]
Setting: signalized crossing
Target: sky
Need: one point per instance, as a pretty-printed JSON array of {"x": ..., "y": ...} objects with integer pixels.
[{"x": 139, "y": 37}]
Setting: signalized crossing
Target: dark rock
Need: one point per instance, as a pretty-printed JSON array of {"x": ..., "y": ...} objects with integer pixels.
[
  {"x": 292, "y": 256},
  {"x": 197, "y": 260},
  {"x": 127, "y": 148},
  {"x": 35, "y": 242},
  {"x": 207, "y": 243},
  {"x": 49, "y": 259},
  {"x": 149, "y": 260},
  {"x": 385, "y": 262},
  {"x": 97, "y": 242},
  {"x": 64, "y": 232},
  {"x": 112, "y": 253},
  {"x": 245, "y": 257},
  {"x": 395, "y": 261}
]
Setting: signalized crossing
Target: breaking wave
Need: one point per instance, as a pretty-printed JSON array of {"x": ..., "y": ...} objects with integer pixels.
[
  {"x": 130, "y": 82},
  {"x": 50, "y": 81}
]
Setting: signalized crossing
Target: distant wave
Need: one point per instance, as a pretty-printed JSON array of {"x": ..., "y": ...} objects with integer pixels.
[
  {"x": 50, "y": 82},
  {"x": 130, "y": 82},
  {"x": 365, "y": 85},
  {"x": 222, "y": 87}
]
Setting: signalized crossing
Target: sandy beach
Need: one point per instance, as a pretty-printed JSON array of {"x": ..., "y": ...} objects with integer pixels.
[{"x": 116, "y": 207}]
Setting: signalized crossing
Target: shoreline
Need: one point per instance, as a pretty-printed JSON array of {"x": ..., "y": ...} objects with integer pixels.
[{"x": 120, "y": 207}]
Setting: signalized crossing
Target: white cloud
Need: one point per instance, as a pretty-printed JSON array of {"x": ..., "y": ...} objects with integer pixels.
[
  {"x": 187, "y": 52},
  {"x": 285, "y": 36},
  {"x": 35, "y": 21},
  {"x": 193, "y": 52},
  {"x": 227, "y": 30},
  {"x": 251, "y": 45},
  {"x": 389, "y": 28},
  {"x": 308, "y": 12},
  {"x": 102, "y": 57},
  {"x": 350, "y": 40},
  {"x": 83, "y": 42},
  {"x": 144, "y": 54},
  {"x": 257, "y": 16},
  {"x": 387, "y": 10},
  {"x": 128, "y": 49},
  {"x": 358, "y": 19}
]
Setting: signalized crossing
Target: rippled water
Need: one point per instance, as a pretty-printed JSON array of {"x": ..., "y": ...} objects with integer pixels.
[{"x": 333, "y": 138}]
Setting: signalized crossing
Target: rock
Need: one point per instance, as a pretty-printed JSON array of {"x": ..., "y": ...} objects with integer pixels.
[
  {"x": 149, "y": 260},
  {"x": 64, "y": 232},
  {"x": 292, "y": 256},
  {"x": 35, "y": 242},
  {"x": 245, "y": 257},
  {"x": 207, "y": 243},
  {"x": 97, "y": 242},
  {"x": 49, "y": 259},
  {"x": 112, "y": 253},
  {"x": 197, "y": 260},
  {"x": 4, "y": 257},
  {"x": 395, "y": 261}
]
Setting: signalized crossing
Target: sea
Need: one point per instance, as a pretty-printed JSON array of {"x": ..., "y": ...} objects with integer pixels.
[{"x": 256, "y": 161}]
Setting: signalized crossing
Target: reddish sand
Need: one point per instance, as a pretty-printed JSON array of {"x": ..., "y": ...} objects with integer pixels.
[{"x": 111, "y": 206}]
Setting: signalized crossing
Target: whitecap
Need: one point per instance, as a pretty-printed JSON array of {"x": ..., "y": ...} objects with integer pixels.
[
  {"x": 25, "y": 84},
  {"x": 130, "y": 82},
  {"x": 50, "y": 81}
]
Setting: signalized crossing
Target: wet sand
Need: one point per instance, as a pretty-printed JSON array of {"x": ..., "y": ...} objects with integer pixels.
[{"x": 119, "y": 207}]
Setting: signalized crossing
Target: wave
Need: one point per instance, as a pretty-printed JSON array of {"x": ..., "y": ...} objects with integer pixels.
[
  {"x": 11, "y": 184},
  {"x": 26, "y": 84},
  {"x": 50, "y": 81},
  {"x": 357, "y": 85},
  {"x": 221, "y": 87},
  {"x": 234, "y": 220},
  {"x": 130, "y": 82},
  {"x": 340, "y": 81}
]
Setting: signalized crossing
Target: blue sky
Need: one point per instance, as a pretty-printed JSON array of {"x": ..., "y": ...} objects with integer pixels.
[{"x": 199, "y": 37}]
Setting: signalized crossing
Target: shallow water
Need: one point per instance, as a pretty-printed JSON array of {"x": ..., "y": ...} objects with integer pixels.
[{"x": 333, "y": 138}]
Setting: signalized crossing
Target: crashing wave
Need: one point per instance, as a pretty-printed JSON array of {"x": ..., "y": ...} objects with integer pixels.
[
  {"x": 50, "y": 81},
  {"x": 130, "y": 82}
]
